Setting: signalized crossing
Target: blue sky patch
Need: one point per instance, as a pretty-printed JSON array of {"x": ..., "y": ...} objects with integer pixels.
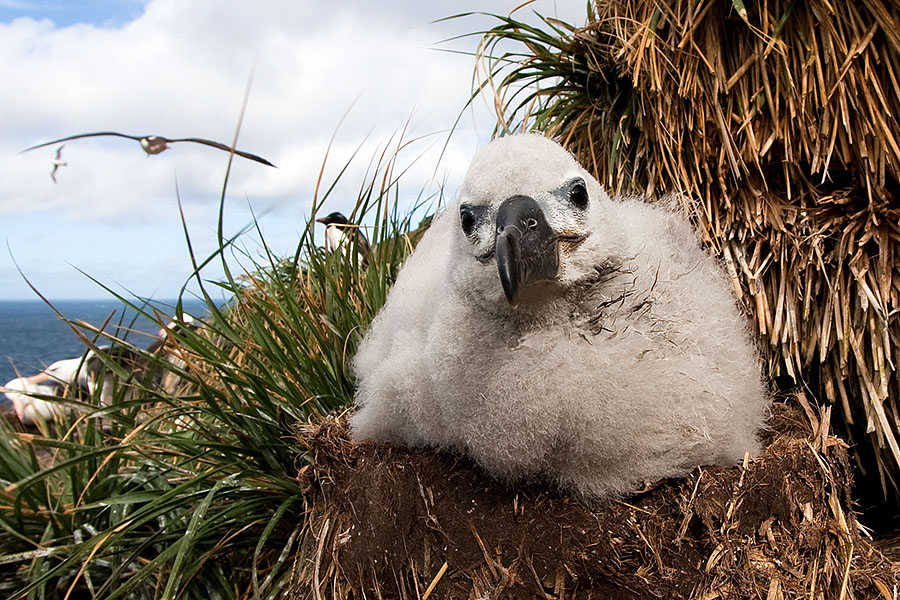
[{"x": 101, "y": 13}]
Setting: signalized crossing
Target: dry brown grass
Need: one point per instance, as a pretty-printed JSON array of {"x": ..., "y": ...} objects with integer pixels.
[{"x": 781, "y": 130}]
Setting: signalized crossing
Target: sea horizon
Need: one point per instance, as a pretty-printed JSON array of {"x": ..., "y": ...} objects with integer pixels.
[{"x": 33, "y": 336}]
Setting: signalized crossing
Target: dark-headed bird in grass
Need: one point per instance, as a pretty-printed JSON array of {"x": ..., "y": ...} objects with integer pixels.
[
  {"x": 554, "y": 333},
  {"x": 339, "y": 231},
  {"x": 154, "y": 144}
]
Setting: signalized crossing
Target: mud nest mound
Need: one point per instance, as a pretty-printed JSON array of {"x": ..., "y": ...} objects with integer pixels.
[{"x": 392, "y": 522}]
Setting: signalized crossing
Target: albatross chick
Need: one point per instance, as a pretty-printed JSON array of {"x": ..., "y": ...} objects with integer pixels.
[{"x": 554, "y": 333}]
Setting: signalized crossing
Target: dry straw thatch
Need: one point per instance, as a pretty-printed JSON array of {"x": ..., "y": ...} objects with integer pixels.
[
  {"x": 778, "y": 121},
  {"x": 390, "y": 522}
]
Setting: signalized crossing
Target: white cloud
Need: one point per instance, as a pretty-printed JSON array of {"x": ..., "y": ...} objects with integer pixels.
[{"x": 180, "y": 69}]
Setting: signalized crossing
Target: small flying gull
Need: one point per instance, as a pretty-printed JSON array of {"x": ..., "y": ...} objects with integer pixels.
[
  {"x": 57, "y": 163},
  {"x": 154, "y": 144},
  {"x": 554, "y": 333},
  {"x": 338, "y": 232}
]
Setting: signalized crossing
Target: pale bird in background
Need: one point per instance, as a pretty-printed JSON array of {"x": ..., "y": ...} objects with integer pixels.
[
  {"x": 57, "y": 163},
  {"x": 27, "y": 394},
  {"x": 36, "y": 398},
  {"x": 154, "y": 144}
]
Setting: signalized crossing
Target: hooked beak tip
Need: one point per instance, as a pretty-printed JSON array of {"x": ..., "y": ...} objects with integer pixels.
[
  {"x": 508, "y": 253},
  {"x": 525, "y": 246}
]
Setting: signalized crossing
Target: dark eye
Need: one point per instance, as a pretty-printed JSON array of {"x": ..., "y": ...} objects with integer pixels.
[
  {"x": 466, "y": 218},
  {"x": 578, "y": 194}
]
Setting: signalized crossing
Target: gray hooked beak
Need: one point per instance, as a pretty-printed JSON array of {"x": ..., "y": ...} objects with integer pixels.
[{"x": 525, "y": 246}]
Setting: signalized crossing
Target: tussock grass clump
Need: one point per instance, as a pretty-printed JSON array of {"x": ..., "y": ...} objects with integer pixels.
[
  {"x": 188, "y": 483},
  {"x": 777, "y": 121}
]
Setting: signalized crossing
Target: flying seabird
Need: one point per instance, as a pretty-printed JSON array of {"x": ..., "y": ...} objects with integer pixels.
[
  {"x": 154, "y": 144},
  {"x": 338, "y": 232},
  {"x": 57, "y": 163},
  {"x": 554, "y": 333}
]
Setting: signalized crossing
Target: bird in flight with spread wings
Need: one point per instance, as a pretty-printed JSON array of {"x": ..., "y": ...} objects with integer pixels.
[
  {"x": 57, "y": 163},
  {"x": 154, "y": 144}
]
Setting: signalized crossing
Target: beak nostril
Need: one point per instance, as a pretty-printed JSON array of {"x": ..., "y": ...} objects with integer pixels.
[{"x": 531, "y": 223}]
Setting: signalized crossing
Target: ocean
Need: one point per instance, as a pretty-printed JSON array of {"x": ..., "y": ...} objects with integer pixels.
[{"x": 32, "y": 336}]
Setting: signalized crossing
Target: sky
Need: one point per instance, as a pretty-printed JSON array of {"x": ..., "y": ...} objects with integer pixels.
[{"x": 353, "y": 76}]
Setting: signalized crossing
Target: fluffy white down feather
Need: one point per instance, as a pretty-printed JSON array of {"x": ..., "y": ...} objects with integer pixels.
[{"x": 634, "y": 365}]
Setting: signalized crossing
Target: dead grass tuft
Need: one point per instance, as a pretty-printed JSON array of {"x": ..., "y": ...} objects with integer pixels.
[{"x": 779, "y": 125}]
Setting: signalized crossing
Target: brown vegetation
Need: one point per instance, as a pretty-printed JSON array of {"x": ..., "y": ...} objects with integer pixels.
[
  {"x": 778, "y": 122},
  {"x": 390, "y": 522}
]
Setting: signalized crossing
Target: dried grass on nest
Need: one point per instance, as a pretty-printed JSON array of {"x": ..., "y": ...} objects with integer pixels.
[
  {"x": 389, "y": 522},
  {"x": 780, "y": 125}
]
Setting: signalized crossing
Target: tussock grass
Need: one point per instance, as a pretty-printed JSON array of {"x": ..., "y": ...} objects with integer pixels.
[
  {"x": 189, "y": 484},
  {"x": 777, "y": 121}
]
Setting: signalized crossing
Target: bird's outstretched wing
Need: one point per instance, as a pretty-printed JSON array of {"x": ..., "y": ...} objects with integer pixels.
[
  {"x": 84, "y": 135},
  {"x": 160, "y": 138},
  {"x": 224, "y": 147}
]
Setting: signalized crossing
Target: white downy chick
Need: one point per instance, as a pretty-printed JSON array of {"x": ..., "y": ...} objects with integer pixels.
[{"x": 553, "y": 333}]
